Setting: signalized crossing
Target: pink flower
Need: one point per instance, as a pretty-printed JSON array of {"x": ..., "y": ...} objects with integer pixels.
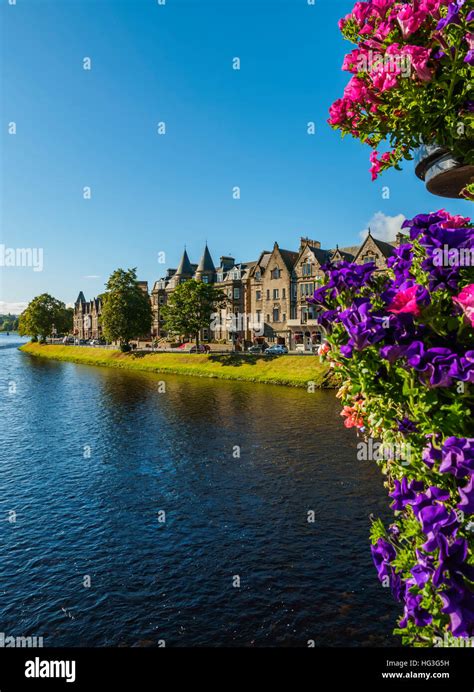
[
  {"x": 456, "y": 221},
  {"x": 377, "y": 164},
  {"x": 419, "y": 60},
  {"x": 405, "y": 302},
  {"x": 410, "y": 20},
  {"x": 465, "y": 300}
]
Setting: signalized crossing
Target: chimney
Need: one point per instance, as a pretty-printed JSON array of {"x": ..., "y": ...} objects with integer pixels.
[
  {"x": 399, "y": 238},
  {"x": 309, "y": 241}
]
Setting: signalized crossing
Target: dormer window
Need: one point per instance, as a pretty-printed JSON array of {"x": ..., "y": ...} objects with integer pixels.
[
  {"x": 276, "y": 273},
  {"x": 258, "y": 275}
]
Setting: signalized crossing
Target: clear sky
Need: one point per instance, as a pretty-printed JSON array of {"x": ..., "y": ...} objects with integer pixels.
[{"x": 153, "y": 193}]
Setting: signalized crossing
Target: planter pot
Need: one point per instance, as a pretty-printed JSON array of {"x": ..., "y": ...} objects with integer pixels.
[{"x": 443, "y": 175}]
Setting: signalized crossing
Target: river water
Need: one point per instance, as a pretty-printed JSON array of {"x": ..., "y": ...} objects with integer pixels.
[{"x": 133, "y": 516}]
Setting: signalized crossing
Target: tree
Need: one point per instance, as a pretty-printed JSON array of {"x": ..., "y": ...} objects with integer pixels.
[
  {"x": 43, "y": 314},
  {"x": 190, "y": 308},
  {"x": 64, "y": 321},
  {"x": 126, "y": 309}
]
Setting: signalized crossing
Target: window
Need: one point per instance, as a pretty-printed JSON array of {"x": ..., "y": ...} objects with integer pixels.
[
  {"x": 205, "y": 279},
  {"x": 284, "y": 317},
  {"x": 268, "y": 294},
  {"x": 220, "y": 276},
  {"x": 258, "y": 275},
  {"x": 276, "y": 315},
  {"x": 160, "y": 300},
  {"x": 276, "y": 273},
  {"x": 283, "y": 293},
  {"x": 276, "y": 294},
  {"x": 370, "y": 257},
  {"x": 268, "y": 318},
  {"x": 259, "y": 316},
  {"x": 236, "y": 293},
  {"x": 258, "y": 295},
  {"x": 307, "y": 267}
]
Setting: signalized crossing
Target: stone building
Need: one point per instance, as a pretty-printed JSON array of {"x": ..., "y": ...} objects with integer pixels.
[
  {"x": 86, "y": 319},
  {"x": 266, "y": 297}
]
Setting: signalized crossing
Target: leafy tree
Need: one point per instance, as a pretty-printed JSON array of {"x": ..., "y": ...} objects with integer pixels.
[
  {"x": 43, "y": 314},
  {"x": 126, "y": 309},
  {"x": 65, "y": 321},
  {"x": 190, "y": 307}
]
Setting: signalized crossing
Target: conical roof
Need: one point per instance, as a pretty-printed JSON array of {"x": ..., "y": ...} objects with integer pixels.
[
  {"x": 205, "y": 264},
  {"x": 185, "y": 268},
  {"x": 80, "y": 298}
]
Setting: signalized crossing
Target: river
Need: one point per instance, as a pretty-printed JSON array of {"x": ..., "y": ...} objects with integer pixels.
[{"x": 141, "y": 509}]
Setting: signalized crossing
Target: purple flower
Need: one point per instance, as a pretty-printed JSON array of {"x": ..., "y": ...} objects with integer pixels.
[
  {"x": 343, "y": 276},
  {"x": 431, "y": 455},
  {"x": 383, "y": 553},
  {"x": 469, "y": 57},
  {"x": 363, "y": 328},
  {"x": 459, "y": 605},
  {"x": 406, "y": 426},
  {"x": 453, "y": 15},
  {"x": 452, "y": 565},
  {"x": 467, "y": 497},
  {"x": 463, "y": 368},
  {"x": 437, "y": 520},
  {"x": 405, "y": 493},
  {"x": 423, "y": 569},
  {"x": 413, "y": 610},
  {"x": 458, "y": 456},
  {"x": 434, "y": 362}
]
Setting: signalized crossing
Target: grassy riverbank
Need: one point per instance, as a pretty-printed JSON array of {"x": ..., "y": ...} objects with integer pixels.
[{"x": 295, "y": 371}]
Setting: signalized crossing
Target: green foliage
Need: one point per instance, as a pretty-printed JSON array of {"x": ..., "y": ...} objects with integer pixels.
[
  {"x": 126, "y": 309},
  {"x": 190, "y": 308},
  {"x": 8, "y": 323},
  {"x": 43, "y": 316}
]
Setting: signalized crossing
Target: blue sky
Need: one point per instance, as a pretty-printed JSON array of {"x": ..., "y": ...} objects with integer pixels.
[{"x": 224, "y": 128}]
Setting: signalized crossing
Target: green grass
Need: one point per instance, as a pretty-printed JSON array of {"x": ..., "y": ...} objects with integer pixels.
[{"x": 295, "y": 371}]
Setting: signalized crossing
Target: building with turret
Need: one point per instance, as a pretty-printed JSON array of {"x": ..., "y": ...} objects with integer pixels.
[{"x": 266, "y": 298}]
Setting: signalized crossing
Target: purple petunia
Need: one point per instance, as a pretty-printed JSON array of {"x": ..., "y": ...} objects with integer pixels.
[
  {"x": 459, "y": 605},
  {"x": 453, "y": 15},
  {"x": 466, "y": 494},
  {"x": 413, "y": 610},
  {"x": 383, "y": 553},
  {"x": 405, "y": 493}
]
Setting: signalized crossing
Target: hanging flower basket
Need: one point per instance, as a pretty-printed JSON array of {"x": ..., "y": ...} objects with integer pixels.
[
  {"x": 412, "y": 72},
  {"x": 442, "y": 173}
]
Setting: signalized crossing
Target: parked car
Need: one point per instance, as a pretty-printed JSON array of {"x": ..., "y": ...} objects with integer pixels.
[
  {"x": 276, "y": 350},
  {"x": 256, "y": 348}
]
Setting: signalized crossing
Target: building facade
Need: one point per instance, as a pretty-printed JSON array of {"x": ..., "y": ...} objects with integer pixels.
[{"x": 266, "y": 298}]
